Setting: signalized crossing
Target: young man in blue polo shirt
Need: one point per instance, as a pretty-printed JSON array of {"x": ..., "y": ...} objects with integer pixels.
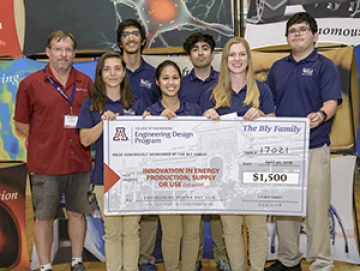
[
  {"x": 307, "y": 84},
  {"x": 200, "y": 49},
  {"x": 131, "y": 38},
  {"x": 202, "y": 78}
]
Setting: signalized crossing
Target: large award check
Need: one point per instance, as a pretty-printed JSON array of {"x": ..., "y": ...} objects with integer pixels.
[{"x": 192, "y": 165}]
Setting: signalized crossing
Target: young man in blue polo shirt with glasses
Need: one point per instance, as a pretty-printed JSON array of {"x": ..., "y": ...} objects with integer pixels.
[
  {"x": 307, "y": 84},
  {"x": 131, "y": 38}
]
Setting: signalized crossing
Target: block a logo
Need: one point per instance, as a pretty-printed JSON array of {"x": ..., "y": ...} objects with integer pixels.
[{"x": 120, "y": 134}]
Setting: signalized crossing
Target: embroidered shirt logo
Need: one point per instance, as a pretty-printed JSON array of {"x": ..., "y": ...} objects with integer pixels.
[
  {"x": 307, "y": 71},
  {"x": 81, "y": 89},
  {"x": 129, "y": 112},
  {"x": 145, "y": 83}
]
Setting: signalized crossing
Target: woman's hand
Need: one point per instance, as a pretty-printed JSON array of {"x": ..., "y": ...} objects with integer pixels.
[
  {"x": 211, "y": 114},
  {"x": 145, "y": 114},
  {"x": 109, "y": 115},
  {"x": 253, "y": 113},
  {"x": 167, "y": 113}
]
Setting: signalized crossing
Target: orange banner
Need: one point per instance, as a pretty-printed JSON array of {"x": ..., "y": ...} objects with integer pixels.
[{"x": 9, "y": 43}]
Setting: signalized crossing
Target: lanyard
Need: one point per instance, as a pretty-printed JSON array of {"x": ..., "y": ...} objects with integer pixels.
[{"x": 58, "y": 88}]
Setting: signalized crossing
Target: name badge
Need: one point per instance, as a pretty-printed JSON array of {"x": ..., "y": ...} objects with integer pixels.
[{"x": 70, "y": 121}]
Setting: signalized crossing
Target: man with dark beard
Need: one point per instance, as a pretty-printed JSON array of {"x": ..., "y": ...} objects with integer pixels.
[{"x": 202, "y": 78}]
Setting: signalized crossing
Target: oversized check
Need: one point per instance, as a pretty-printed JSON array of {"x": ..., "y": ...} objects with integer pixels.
[{"x": 193, "y": 165}]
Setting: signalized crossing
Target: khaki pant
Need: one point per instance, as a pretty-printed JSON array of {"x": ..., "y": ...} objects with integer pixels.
[
  {"x": 148, "y": 231},
  {"x": 121, "y": 238},
  {"x": 180, "y": 230},
  {"x": 258, "y": 241},
  {"x": 219, "y": 248},
  {"x": 317, "y": 219}
]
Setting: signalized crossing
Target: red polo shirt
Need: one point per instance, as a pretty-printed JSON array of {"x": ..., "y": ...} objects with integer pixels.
[{"x": 52, "y": 148}]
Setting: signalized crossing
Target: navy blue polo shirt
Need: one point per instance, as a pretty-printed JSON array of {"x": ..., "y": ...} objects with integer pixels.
[
  {"x": 142, "y": 83},
  {"x": 88, "y": 119},
  {"x": 300, "y": 88},
  {"x": 193, "y": 87},
  {"x": 185, "y": 109},
  {"x": 237, "y": 101}
]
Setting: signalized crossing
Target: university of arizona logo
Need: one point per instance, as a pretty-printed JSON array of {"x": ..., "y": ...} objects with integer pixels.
[
  {"x": 120, "y": 134},
  {"x": 145, "y": 83},
  {"x": 307, "y": 71}
]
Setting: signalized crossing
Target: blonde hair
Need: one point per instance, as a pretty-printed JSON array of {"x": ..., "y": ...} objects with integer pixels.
[{"x": 222, "y": 91}]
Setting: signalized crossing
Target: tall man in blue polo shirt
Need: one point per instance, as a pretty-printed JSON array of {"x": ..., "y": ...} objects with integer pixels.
[
  {"x": 131, "y": 38},
  {"x": 307, "y": 84},
  {"x": 202, "y": 78}
]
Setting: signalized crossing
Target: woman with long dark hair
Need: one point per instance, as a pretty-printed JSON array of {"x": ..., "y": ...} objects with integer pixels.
[{"x": 110, "y": 97}]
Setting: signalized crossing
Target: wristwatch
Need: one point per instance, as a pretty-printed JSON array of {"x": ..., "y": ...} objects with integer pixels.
[{"x": 323, "y": 113}]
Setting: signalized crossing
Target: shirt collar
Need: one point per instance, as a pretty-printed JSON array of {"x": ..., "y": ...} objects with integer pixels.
[
  {"x": 107, "y": 100},
  {"x": 310, "y": 58},
  {"x": 213, "y": 75},
  {"x": 73, "y": 76},
  {"x": 161, "y": 108},
  {"x": 140, "y": 68}
]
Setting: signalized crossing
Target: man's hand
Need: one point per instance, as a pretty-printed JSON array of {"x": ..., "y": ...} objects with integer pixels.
[{"x": 316, "y": 118}]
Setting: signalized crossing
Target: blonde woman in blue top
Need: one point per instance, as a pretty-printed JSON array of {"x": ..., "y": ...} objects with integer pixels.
[
  {"x": 238, "y": 91},
  {"x": 178, "y": 231},
  {"x": 110, "y": 97}
]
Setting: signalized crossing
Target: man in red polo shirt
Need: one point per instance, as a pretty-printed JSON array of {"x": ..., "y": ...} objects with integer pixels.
[{"x": 47, "y": 104}]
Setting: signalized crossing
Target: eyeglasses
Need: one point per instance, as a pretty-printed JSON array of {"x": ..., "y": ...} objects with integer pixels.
[
  {"x": 302, "y": 31},
  {"x": 135, "y": 34},
  {"x": 58, "y": 50}
]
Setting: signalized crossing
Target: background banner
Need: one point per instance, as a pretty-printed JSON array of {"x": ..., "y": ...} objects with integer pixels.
[
  {"x": 167, "y": 22},
  {"x": 9, "y": 43},
  {"x": 12, "y": 144},
  {"x": 337, "y": 21},
  {"x": 357, "y": 57},
  {"x": 13, "y": 244}
]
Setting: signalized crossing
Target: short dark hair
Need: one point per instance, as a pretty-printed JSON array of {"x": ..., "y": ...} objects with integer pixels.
[
  {"x": 127, "y": 23},
  {"x": 196, "y": 37},
  {"x": 301, "y": 17},
  {"x": 162, "y": 66},
  {"x": 59, "y": 35}
]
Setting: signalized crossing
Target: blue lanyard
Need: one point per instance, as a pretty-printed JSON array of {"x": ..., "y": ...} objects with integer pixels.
[{"x": 58, "y": 88}]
